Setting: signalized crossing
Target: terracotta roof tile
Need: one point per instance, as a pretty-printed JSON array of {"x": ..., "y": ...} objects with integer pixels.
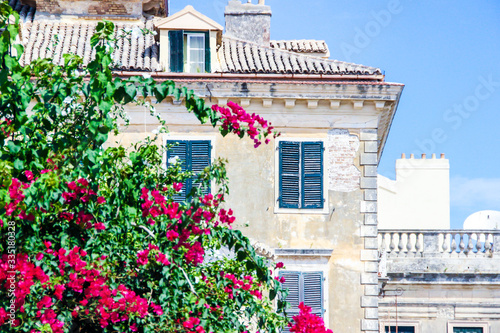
[
  {"x": 52, "y": 39},
  {"x": 237, "y": 56},
  {"x": 301, "y": 46}
]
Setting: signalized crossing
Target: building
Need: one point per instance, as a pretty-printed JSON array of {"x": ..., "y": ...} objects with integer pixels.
[
  {"x": 434, "y": 279},
  {"x": 311, "y": 196}
]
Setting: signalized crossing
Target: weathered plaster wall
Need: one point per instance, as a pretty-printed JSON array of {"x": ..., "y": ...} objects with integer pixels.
[
  {"x": 433, "y": 306},
  {"x": 345, "y": 118},
  {"x": 249, "y": 22}
]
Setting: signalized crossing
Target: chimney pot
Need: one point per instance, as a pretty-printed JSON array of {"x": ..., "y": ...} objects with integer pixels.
[
  {"x": 442, "y": 155},
  {"x": 403, "y": 156},
  {"x": 412, "y": 156},
  {"x": 424, "y": 156},
  {"x": 433, "y": 156}
]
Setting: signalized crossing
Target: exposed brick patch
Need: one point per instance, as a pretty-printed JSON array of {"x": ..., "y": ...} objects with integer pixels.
[
  {"x": 108, "y": 8},
  {"x": 342, "y": 148}
]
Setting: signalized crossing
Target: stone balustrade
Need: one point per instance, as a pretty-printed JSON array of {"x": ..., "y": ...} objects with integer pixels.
[
  {"x": 439, "y": 243},
  {"x": 444, "y": 255}
]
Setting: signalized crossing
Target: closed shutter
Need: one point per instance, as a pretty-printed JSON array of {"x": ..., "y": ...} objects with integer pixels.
[
  {"x": 289, "y": 169},
  {"x": 304, "y": 287},
  {"x": 401, "y": 329},
  {"x": 180, "y": 149},
  {"x": 176, "y": 38},
  {"x": 200, "y": 159},
  {"x": 312, "y": 175},
  {"x": 467, "y": 330},
  {"x": 208, "y": 69},
  {"x": 313, "y": 292}
]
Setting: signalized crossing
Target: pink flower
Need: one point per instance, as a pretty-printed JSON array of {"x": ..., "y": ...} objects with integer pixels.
[
  {"x": 279, "y": 265},
  {"x": 59, "y": 289},
  {"x": 39, "y": 256},
  {"x": 46, "y": 302},
  {"x": 142, "y": 257},
  {"x": 171, "y": 235},
  {"x": 29, "y": 175},
  {"x": 101, "y": 200},
  {"x": 177, "y": 187},
  {"x": 161, "y": 258}
]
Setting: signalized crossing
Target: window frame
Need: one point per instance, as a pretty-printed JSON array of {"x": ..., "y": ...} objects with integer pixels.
[
  {"x": 173, "y": 137},
  {"x": 472, "y": 324},
  {"x": 281, "y": 210},
  {"x": 412, "y": 323},
  {"x": 181, "y": 39},
  {"x": 188, "y": 49},
  {"x": 292, "y": 265}
]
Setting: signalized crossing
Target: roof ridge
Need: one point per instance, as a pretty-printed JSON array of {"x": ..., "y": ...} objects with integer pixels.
[{"x": 298, "y": 55}]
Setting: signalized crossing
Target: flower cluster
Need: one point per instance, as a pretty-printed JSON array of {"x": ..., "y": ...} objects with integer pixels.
[
  {"x": 143, "y": 256},
  {"x": 27, "y": 276},
  {"x": 235, "y": 119},
  {"x": 246, "y": 284},
  {"x": 307, "y": 322},
  {"x": 80, "y": 192}
]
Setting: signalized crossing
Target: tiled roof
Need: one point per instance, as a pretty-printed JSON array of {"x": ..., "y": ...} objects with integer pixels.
[
  {"x": 238, "y": 56},
  {"x": 26, "y": 12},
  {"x": 51, "y": 39},
  {"x": 301, "y": 46}
]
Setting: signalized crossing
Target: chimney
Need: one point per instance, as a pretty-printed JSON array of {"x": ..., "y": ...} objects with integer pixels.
[{"x": 248, "y": 21}]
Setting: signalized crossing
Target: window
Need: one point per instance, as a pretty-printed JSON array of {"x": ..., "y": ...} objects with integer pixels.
[
  {"x": 468, "y": 330},
  {"x": 467, "y": 327},
  {"x": 195, "y": 155},
  {"x": 400, "y": 329},
  {"x": 304, "y": 287},
  {"x": 301, "y": 175},
  {"x": 189, "y": 51}
]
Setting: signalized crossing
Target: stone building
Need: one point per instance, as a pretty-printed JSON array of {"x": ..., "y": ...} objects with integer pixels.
[
  {"x": 311, "y": 195},
  {"x": 433, "y": 279}
]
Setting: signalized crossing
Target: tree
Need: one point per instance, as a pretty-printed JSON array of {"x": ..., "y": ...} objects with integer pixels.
[{"x": 91, "y": 239}]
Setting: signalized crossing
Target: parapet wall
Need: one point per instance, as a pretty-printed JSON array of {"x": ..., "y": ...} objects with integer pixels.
[{"x": 419, "y": 198}]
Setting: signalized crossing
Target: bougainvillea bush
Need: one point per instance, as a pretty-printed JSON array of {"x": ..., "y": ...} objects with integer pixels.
[{"x": 90, "y": 238}]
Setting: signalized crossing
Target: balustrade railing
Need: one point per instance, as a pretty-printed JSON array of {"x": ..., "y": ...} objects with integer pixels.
[{"x": 418, "y": 243}]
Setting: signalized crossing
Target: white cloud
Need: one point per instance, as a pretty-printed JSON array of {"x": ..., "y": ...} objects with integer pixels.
[{"x": 479, "y": 193}]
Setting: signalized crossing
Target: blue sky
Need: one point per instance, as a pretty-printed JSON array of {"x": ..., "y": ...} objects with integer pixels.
[{"x": 446, "y": 52}]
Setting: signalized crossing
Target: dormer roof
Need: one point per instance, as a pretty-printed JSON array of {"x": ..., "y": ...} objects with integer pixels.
[{"x": 188, "y": 18}]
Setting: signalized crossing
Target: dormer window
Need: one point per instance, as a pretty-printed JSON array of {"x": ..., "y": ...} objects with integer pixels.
[
  {"x": 189, "y": 51},
  {"x": 188, "y": 42}
]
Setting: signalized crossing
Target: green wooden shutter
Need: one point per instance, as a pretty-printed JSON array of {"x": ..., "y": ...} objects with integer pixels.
[
  {"x": 200, "y": 159},
  {"x": 180, "y": 149},
  {"x": 176, "y": 38},
  {"x": 467, "y": 330},
  {"x": 304, "y": 287},
  {"x": 207, "y": 52},
  {"x": 401, "y": 329},
  {"x": 292, "y": 284},
  {"x": 312, "y": 175},
  {"x": 313, "y": 291},
  {"x": 289, "y": 172}
]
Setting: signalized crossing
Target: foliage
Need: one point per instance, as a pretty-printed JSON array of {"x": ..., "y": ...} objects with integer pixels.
[{"x": 91, "y": 240}]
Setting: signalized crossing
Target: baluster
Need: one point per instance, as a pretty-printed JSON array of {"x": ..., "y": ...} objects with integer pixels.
[
  {"x": 382, "y": 243},
  {"x": 479, "y": 240},
  {"x": 400, "y": 244},
  {"x": 446, "y": 241},
  {"x": 417, "y": 243},
  {"x": 409, "y": 244},
  {"x": 392, "y": 246},
  {"x": 453, "y": 243},
  {"x": 470, "y": 245},
  {"x": 462, "y": 244},
  {"x": 487, "y": 243}
]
